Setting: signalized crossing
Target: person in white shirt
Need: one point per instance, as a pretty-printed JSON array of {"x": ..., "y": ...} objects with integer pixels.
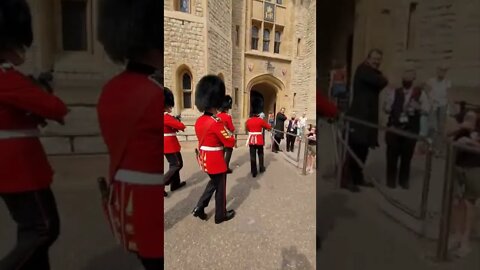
[
  {"x": 437, "y": 89},
  {"x": 404, "y": 107},
  {"x": 302, "y": 124}
]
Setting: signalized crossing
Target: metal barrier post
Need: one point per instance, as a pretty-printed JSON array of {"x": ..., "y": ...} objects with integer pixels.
[
  {"x": 305, "y": 156},
  {"x": 302, "y": 138},
  {"x": 343, "y": 154},
  {"x": 426, "y": 181},
  {"x": 442, "y": 248}
]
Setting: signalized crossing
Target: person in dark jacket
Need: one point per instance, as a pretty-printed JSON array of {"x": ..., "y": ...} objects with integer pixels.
[
  {"x": 279, "y": 126},
  {"x": 404, "y": 106},
  {"x": 368, "y": 83}
]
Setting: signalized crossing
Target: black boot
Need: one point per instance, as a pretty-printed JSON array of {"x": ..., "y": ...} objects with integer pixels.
[
  {"x": 200, "y": 213},
  {"x": 182, "y": 184},
  {"x": 229, "y": 215}
]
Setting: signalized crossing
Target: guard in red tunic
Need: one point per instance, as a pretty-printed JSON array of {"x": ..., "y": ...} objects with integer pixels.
[
  {"x": 130, "y": 113},
  {"x": 25, "y": 173},
  {"x": 171, "y": 126},
  {"x": 212, "y": 136},
  {"x": 228, "y": 122},
  {"x": 254, "y": 126}
]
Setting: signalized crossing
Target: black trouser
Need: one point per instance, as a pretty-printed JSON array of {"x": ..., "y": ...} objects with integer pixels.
[
  {"x": 399, "y": 148},
  {"x": 152, "y": 264},
  {"x": 172, "y": 177},
  {"x": 217, "y": 184},
  {"x": 254, "y": 149},
  {"x": 290, "y": 142},
  {"x": 228, "y": 155},
  {"x": 355, "y": 172},
  {"x": 38, "y": 226},
  {"x": 276, "y": 143}
]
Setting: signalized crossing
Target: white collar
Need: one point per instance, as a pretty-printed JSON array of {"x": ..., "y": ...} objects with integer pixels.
[{"x": 6, "y": 65}]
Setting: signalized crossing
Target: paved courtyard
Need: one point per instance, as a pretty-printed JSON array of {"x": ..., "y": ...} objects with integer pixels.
[{"x": 274, "y": 227}]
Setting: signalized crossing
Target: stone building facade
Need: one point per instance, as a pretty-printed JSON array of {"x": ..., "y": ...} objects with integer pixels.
[
  {"x": 201, "y": 37},
  {"x": 65, "y": 42},
  {"x": 263, "y": 48},
  {"x": 422, "y": 33}
]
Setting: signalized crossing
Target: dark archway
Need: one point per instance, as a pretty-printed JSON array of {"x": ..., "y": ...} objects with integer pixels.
[{"x": 268, "y": 94}]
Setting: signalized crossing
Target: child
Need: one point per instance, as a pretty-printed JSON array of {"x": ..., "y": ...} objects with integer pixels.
[
  {"x": 467, "y": 175},
  {"x": 312, "y": 148}
]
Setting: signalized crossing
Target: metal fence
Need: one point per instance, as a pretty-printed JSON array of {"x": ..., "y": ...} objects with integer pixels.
[
  {"x": 301, "y": 142},
  {"x": 340, "y": 131}
]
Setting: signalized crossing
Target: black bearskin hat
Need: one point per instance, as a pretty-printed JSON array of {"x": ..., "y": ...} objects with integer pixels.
[
  {"x": 169, "y": 99},
  {"x": 130, "y": 28},
  {"x": 227, "y": 103},
  {"x": 15, "y": 24},
  {"x": 256, "y": 106},
  {"x": 210, "y": 93}
]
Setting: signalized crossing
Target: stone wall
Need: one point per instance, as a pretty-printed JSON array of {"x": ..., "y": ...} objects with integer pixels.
[
  {"x": 185, "y": 45},
  {"x": 219, "y": 33},
  {"x": 444, "y": 31},
  {"x": 238, "y": 65},
  {"x": 303, "y": 65}
]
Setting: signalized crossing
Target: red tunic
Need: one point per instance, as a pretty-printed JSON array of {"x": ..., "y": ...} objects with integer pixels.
[
  {"x": 171, "y": 126},
  {"x": 254, "y": 127},
  {"x": 23, "y": 162},
  {"x": 137, "y": 214},
  {"x": 212, "y": 137},
  {"x": 227, "y": 120},
  {"x": 324, "y": 107}
]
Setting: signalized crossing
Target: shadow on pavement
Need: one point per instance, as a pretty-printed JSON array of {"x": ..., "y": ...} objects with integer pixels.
[
  {"x": 240, "y": 192},
  {"x": 292, "y": 259},
  {"x": 329, "y": 209},
  {"x": 184, "y": 208},
  {"x": 117, "y": 259}
]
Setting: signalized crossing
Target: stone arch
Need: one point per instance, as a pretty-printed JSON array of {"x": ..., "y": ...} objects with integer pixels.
[
  {"x": 184, "y": 88},
  {"x": 267, "y": 86}
]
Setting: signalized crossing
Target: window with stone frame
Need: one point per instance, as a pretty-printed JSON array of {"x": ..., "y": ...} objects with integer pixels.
[
  {"x": 278, "y": 40},
  {"x": 182, "y": 6},
  {"x": 186, "y": 81},
  {"x": 236, "y": 96},
  {"x": 254, "y": 37},
  {"x": 77, "y": 30},
  {"x": 266, "y": 40},
  {"x": 280, "y": 2}
]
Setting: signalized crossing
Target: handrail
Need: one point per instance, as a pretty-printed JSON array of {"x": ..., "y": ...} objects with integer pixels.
[
  {"x": 394, "y": 202},
  {"x": 385, "y": 128},
  {"x": 420, "y": 215}
]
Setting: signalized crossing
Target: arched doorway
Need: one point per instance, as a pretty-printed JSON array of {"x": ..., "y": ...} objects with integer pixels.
[
  {"x": 268, "y": 88},
  {"x": 268, "y": 94}
]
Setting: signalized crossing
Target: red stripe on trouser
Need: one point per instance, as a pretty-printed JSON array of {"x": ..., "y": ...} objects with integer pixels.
[{"x": 225, "y": 194}]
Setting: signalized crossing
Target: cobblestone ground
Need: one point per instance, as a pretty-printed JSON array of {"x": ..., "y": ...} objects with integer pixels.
[
  {"x": 274, "y": 227},
  {"x": 357, "y": 234}
]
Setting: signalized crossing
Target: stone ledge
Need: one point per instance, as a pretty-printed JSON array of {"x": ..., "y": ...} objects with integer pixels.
[
  {"x": 86, "y": 145},
  {"x": 56, "y": 145},
  {"x": 80, "y": 121}
]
